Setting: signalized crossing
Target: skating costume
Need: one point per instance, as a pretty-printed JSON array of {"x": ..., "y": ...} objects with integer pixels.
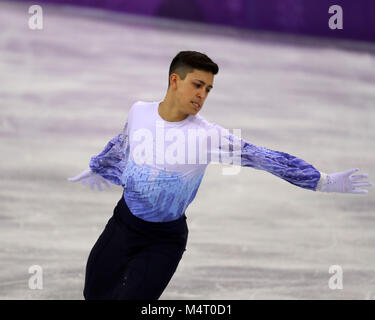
[{"x": 157, "y": 190}]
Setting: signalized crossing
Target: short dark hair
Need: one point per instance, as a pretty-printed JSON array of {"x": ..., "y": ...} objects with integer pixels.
[{"x": 186, "y": 61}]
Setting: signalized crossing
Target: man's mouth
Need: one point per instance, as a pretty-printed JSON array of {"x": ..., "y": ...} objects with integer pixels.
[{"x": 196, "y": 105}]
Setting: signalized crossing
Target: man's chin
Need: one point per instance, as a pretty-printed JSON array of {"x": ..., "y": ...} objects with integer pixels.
[
  {"x": 194, "y": 112},
  {"x": 191, "y": 112}
]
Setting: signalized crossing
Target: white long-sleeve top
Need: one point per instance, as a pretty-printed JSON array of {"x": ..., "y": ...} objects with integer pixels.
[{"x": 161, "y": 164}]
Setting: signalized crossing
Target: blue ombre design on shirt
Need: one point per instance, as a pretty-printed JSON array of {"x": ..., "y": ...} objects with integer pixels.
[{"x": 158, "y": 195}]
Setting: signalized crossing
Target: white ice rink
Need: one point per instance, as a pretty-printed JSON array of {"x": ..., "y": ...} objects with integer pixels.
[{"x": 66, "y": 90}]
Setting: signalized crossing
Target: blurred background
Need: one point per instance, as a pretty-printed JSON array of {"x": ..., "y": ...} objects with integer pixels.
[
  {"x": 281, "y": 16},
  {"x": 286, "y": 79}
]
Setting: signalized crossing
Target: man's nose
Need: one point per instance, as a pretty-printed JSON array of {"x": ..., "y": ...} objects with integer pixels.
[{"x": 201, "y": 94}]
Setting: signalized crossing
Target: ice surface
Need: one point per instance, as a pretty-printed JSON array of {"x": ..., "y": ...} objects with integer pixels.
[{"x": 66, "y": 90}]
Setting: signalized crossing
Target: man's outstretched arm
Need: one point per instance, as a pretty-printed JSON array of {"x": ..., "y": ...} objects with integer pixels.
[
  {"x": 111, "y": 162},
  {"x": 281, "y": 164},
  {"x": 290, "y": 168},
  {"x": 107, "y": 165},
  {"x": 301, "y": 173}
]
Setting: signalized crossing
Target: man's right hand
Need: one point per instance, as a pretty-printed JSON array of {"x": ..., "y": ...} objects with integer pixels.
[{"x": 90, "y": 178}]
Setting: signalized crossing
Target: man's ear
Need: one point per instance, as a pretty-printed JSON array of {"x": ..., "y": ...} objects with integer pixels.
[{"x": 173, "y": 79}]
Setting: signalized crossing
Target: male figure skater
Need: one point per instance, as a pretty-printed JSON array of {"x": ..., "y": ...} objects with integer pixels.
[{"x": 140, "y": 248}]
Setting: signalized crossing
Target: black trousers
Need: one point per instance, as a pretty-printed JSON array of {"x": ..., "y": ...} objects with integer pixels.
[{"x": 134, "y": 259}]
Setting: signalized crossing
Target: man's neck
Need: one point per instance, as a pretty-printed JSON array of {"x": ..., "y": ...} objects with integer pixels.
[{"x": 169, "y": 112}]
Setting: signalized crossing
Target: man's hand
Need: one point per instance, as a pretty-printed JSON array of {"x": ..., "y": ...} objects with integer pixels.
[
  {"x": 345, "y": 183},
  {"x": 90, "y": 178}
]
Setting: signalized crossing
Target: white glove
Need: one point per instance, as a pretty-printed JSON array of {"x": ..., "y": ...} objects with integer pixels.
[
  {"x": 344, "y": 183},
  {"x": 91, "y": 179}
]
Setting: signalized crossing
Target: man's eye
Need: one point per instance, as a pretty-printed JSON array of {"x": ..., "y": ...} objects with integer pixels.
[{"x": 197, "y": 85}]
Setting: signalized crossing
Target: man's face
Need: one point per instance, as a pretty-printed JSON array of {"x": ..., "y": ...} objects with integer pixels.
[{"x": 193, "y": 91}]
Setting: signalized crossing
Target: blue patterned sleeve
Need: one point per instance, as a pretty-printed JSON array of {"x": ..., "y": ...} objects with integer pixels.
[
  {"x": 235, "y": 150},
  {"x": 283, "y": 165},
  {"x": 111, "y": 162}
]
